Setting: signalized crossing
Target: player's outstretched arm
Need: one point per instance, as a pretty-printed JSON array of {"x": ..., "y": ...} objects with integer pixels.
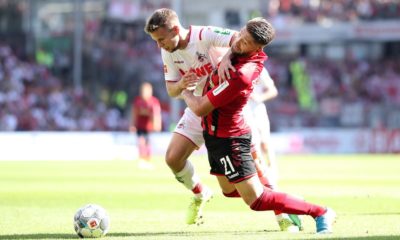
[{"x": 201, "y": 106}]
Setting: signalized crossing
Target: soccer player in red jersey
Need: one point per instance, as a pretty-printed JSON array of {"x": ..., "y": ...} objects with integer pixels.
[
  {"x": 228, "y": 136},
  {"x": 189, "y": 56},
  {"x": 146, "y": 118}
]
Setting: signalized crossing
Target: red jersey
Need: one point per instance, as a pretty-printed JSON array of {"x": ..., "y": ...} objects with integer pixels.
[
  {"x": 229, "y": 97},
  {"x": 144, "y": 112}
]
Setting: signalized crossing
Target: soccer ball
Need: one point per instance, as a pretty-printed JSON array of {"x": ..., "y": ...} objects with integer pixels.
[{"x": 91, "y": 221}]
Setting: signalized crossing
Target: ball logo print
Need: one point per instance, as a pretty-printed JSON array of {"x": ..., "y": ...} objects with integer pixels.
[{"x": 91, "y": 221}]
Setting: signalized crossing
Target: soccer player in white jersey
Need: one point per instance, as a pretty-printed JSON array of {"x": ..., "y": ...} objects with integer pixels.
[
  {"x": 264, "y": 90},
  {"x": 185, "y": 53}
]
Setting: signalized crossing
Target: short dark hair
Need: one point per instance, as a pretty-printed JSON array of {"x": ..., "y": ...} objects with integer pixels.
[
  {"x": 261, "y": 30},
  {"x": 160, "y": 19}
]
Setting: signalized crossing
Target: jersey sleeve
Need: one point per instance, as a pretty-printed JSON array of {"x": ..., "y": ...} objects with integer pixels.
[
  {"x": 216, "y": 36},
  {"x": 171, "y": 73},
  {"x": 240, "y": 82},
  {"x": 227, "y": 91},
  {"x": 265, "y": 78}
]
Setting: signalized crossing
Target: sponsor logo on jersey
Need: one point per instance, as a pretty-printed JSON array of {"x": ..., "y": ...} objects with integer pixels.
[
  {"x": 201, "y": 71},
  {"x": 179, "y": 62},
  {"x": 222, "y": 31}
]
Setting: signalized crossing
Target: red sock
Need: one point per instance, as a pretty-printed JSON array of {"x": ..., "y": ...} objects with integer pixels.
[
  {"x": 197, "y": 189},
  {"x": 234, "y": 194},
  {"x": 277, "y": 212},
  {"x": 270, "y": 200}
]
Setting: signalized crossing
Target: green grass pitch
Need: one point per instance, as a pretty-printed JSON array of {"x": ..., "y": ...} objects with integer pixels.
[{"x": 38, "y": 199}]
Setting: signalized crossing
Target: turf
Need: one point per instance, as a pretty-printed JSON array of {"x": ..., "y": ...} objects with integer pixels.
[{"x": 38, "y": 199}]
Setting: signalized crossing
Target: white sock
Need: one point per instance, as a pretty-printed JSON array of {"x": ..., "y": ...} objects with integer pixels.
[{"x": 187, "y": 176}]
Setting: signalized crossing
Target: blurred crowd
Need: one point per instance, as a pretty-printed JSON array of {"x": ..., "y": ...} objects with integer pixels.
[
  {"x": 31, "y": 98},
  {"x": 351, "y": 93},
  {"x": 334, "y": 10},
  {"x": 118, "y": 56}
]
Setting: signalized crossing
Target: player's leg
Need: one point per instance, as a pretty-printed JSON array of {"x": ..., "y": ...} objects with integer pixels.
[
  {"x": 260, "y": 198},
  {"x": 286, "y": 222},
  {"x": 179, "y": 149},
  {"x": 144, "y": 146},
  {"x": 261, "y": 167},
  {"x": 255, "y": 148},
  {"x": 147, "y": 146},
  {"x": 141, "y": 144},
  {"x": 187, "y": 138},
  {"x": 266, "y": 146},
  {"x": 228, "y": 189}
]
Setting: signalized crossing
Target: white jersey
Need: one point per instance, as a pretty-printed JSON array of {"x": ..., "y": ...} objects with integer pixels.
[
  {"x": 196, "y": 56},
  {"x": 256, "y": 112},
  {"x": 264, "y": 82}
]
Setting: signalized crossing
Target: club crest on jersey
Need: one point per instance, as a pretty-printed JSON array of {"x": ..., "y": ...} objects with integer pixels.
[{"x": 201, "y": 57}]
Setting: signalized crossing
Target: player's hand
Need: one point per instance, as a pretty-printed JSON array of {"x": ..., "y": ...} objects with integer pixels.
[
  {"x": 188, "y": 81},
  {"x": 224, "y": 67},
  {"x": 132, "y": 129}
]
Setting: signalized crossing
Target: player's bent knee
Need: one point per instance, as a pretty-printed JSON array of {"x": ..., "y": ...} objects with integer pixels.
[
  {"x": 175, "y": 160},
  {"x": 171, "y": 158}
]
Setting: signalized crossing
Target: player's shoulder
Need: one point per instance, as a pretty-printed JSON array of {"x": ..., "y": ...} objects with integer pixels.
[
  {"x": 197, "y": 33},
  {"x": 218, "y": 31},
  {"x": 203, "y": 33},
  {"x": 249, "y": 71}
]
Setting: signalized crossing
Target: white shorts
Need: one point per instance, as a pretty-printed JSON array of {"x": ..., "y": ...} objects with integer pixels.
[{"x": 190, "y": 127}]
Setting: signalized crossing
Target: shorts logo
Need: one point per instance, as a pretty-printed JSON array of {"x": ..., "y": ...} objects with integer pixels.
[{"x": 181, "y": 125}]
